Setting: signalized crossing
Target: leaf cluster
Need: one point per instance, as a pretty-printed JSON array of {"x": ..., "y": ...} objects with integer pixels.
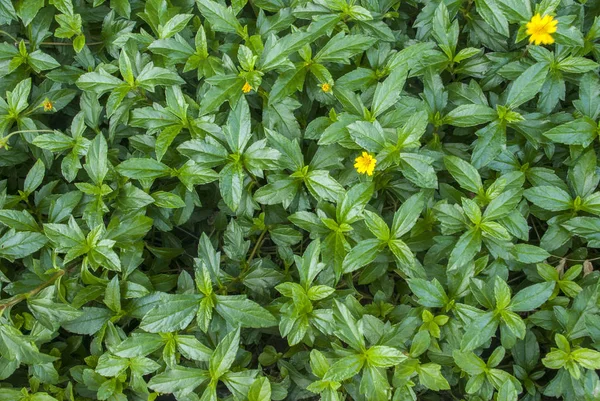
[{"x": 181, "y": 216}]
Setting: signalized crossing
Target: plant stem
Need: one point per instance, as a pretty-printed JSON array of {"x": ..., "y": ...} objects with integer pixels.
[
  {"x": 49, "y": 43},
  {"x": 9, "y": 35},
  {"x": 258, "y": 244},
  {"x": 30, "y": 130},
  {"x": 68, "y": 44},
  {"x": 20, "y": 297},
  {"x": 575, "y": 260}
]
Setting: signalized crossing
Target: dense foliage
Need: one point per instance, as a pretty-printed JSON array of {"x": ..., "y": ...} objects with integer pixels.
[{"x": 296, "y": 199}]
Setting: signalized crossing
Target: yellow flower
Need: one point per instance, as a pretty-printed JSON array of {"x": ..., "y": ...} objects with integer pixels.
[
  {"x": 541, "y": 29},
  {"x": 326, "y": 87},
  {"x": 365, "y": 164},
  {"x": 47, "y": 105},
  {"x": 246, "y": 88}
]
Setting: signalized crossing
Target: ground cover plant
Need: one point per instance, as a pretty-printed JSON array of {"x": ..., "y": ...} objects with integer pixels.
[{"x": 292, "y": 199}]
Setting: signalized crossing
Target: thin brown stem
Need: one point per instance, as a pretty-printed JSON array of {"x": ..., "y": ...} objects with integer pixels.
[{"x": 575, "y": 260}]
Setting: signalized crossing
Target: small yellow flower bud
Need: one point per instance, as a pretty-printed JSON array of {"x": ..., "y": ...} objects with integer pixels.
[
  {"x": 326, "y": 87},
  {"x": 48, "y": 106}
]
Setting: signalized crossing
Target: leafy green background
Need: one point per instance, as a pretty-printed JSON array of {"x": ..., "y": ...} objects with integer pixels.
[{"x": 163, "y": 229}]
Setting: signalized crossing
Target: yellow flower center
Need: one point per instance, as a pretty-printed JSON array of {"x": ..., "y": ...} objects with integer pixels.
[
  {"x": 541, "y": 29},
  {"x": 365, "y": 164},
  {"x": 246, "y": 88},
  {"x": 326, "y": 87},
  {"x": 47, "y": 105}
]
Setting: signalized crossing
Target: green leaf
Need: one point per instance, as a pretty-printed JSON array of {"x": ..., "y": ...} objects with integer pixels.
[
  {"x": 549, "y": 198},
  {"x": 368, "y": 135},
  {"x": 143, "y": 169},
  {"x": 55, "y": 142},
  {"x": 224, "y": 355},
  {"x": 465, "y": 174},
  {"x": 469, "y": 115},
  {"x": 491, "y": 13},
  {"x": 40, "y": 61},
  {"x": 418, "y": 169},
  {"x": 515, "y": 11},
  {"x": 34, "y": 177},
  {"x": 479, "y": 331},
  {"x": 112, "y": 297},
  {"x": 174, "y": 25},
  {"x": 192, "y": 174},
  {"x": 347, "y": 328},
  {"x": 282, "y": 190},
  {"x": 388, "y": 91},
  {"x": 503, "y": 205},
  {"x": 22, "y": 221},
  {"x": 193, "y": 349},
  {"x": 528, "y": 84},
  {"x": 431, "y": 293},
  {"x": 576, "y": 65},
  {"x": 467, "y": 246},
  {"x": 276, "y": 51},
  {"x": 96, "y": 161},
  {"x": 7, "y": 12},
  {"x": 501, "y": 293},
  {"x": 407, "y": 215},
  {"x": 507, "y": 392},
  {"x": 98, "y": 82},
  {"x": 362, "y": 254},
  {"x": 16, "y": 347},
  {"x": 589, "y": 89},
  {"x": 174, "y": 313},
  {"x": 17, "y": 245},
  {"x": 341, "y": 48},
  {"x": 531, "y": 297},
  {"x": 180, "y": 379},
  {"x": 50, "y": 313},
  {"x": 150, "y": 76},
  {"x": 28, "y": 10},
  {"x": 526, "y": 253},
  {"x": 377, "y": 226},
  {"x": 237, "y": 131},
  {"x": 589, "y": 359},
  {"x": 165, "y": 138},
  {"x": 221, "y": 18},
  {"x": 430, "y": 376},
  {"x": 582, "y": 132},
  {"x": 110, "y": 365},
  {"x": 90, "y": 322},
  {"x": 167, "y": 200},
  {"x": 260, "y": 390},
  {"x": 242, "y": 311},
  {"x": 138, "y": 344},
  {"x": 322, "y": 186},
  {"x": 469, "y": 362},
  {"x": 344, "y": 368},
  {"x": 231, "y": 183},
  {"x": 489, "y": 144},
  {"x": 382, "y": 356}
]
